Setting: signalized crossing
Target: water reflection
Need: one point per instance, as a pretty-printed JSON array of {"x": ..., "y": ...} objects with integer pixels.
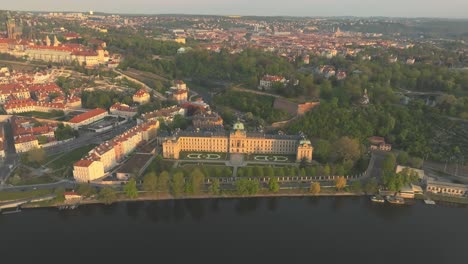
[
  {"x": 214, "y": 205},
  {"x": 272, "y": 204},
  {"x": 105, "y": 209},
  {"x": 133, "y": 209},
  {"x": 246, "y": 206},
  {"x": 179, "y": 210},
  {"x": 195, "y": 208}
]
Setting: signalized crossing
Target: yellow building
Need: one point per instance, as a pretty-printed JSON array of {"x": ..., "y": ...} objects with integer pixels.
[
  {"x": 141, "y": 97},
  {"x": 238, "y": 141},
  {"x": 87, "y": 170},
  {"x": 180, "y": 40},
  {"x": 26, "y": 143}
]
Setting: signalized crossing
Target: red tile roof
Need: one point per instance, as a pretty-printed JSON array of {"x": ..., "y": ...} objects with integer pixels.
[
  {"x": 26, "y": 138},
  {"x": 90, "y": 114},
  {"x": 83, "y": 163},
  {"x": 141, "y": 93}
]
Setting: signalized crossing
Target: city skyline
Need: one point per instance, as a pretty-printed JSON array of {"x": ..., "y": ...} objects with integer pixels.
[{"x": 397, "y": 8}]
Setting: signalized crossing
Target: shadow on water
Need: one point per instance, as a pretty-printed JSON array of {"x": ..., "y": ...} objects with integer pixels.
[
  {"x": 247, "y": 205},
  {"x": 195, "y": 208},
  {"x": 105, "y": 209},
  {"x": 133, "y": 208},
  {"x": 272, "y": 204},
  {"x": 178, "y": 210},
  {"x": 214, "y": 206},
  {"x": 313, "y": 201}
]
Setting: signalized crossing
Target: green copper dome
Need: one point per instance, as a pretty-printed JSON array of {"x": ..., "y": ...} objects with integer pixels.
[{"x": 238, "y": 126}]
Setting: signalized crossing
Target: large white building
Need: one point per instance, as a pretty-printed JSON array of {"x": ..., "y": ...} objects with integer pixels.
[{"x": 110, "y": 153}]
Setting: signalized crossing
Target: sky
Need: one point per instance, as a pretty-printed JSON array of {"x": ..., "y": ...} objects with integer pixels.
[{"x": 391, "y": 8}]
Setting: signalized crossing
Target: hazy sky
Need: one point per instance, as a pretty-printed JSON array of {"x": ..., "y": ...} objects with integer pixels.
[{"x": 399, "y": 8}]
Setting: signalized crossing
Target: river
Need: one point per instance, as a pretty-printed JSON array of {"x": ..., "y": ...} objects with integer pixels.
[{"x": 273, "y": 230}]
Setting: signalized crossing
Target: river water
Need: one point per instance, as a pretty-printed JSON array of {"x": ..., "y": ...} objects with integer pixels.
[{"x": 273, "y": 230}]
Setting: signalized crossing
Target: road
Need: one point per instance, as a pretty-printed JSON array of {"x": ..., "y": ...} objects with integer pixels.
[
  {"x": 11, "y": 159},
  {"x": 375, "y": 164},
  {"x": 146, "y": 87},
  {"x": 87, "y": 138}
]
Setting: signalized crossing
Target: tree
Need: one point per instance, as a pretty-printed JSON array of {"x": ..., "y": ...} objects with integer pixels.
[
  {"x": 150, "y": 182},
  {"x": 269, "y": 172},
  {"x": 389, "y": 163},
  {"x": 178, "y": 184},
  {"x": 356, "y": 186},
  {"x": 214, "y": 188},
  {"x": 131, "y": 189},
  {"x": 348, "y": 148},
  {"x": 326, "y": 170},
  {"x": 393, "y": 181},
  {"x": 163, "y": 181},
  {"x": 258, "y": 171},
  {"x": 402, "y": 158},
  {"x": 107, "y": 195},
  {"x": 86, "y": 190},
  {"x": 314, "y": 188},
  {"x": 415, "y": 162},
  {"x": 371, "y": 186},
  {"x": 340, "y": 183},
  {"x": 322, "y": 150},
  {"x": 273, "y": 184},
  {"x": 196, "y": 182},
  {"x": 246, "y": 187}
]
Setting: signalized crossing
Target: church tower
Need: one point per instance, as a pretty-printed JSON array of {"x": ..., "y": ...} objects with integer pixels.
[
  {"x": 47, "y": 41},
  {"x": 56, "y": 41},
  {"x": 10, "y": 25}
]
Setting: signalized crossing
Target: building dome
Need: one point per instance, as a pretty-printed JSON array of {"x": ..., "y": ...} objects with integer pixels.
[{"x": 238, "y": 126}]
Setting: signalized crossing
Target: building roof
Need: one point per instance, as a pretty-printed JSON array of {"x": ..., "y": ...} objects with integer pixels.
[
  {"x": 141, "y": 93},
  {"x": 238, "y": 126},
  {"x": 90, "y": 114},
  {"x": 83, "y": 163}
]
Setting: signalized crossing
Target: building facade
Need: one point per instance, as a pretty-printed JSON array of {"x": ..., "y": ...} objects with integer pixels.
[
  {"x": 141, "y": 97},
  {"x": 238, "y": 141},
  {"x": 108, "y": 154},
  {"x": 87, "y": 170}
]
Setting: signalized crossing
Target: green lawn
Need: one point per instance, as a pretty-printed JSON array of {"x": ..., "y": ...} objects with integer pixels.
[
  {"x": 183, "y": 155},
  {"x": 251, "y": 157},
  {"x": 71, "y": 157},
  {"x": 45, "y": 115},
  {"x": 209, "y": 170},
  {"x": 34, "y": 180},
  {"x": 6, "y": 196}
]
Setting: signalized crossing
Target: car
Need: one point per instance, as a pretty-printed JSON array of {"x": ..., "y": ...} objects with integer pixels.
[{"x": 35, "y": 188}]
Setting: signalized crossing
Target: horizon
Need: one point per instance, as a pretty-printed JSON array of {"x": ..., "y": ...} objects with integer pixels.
[
  {"x": 450, "y": 9},
  {"x": 228, "y": 15}
]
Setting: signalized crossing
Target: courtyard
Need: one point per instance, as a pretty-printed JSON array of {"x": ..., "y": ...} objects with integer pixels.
[
  {"x": 202, "y": 156},
  {"x": 271, "y": 158}
]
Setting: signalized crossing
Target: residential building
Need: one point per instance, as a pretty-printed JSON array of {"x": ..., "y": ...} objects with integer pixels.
[
  {"x": 25, "y": 143},
  {"x": 208, "y": 120},
  {"x": 167, "y": 114},
  {"x": 378, "y": 143},
  {"x": 141, "y": 97},
  {"x": 267, "y": 82},
  {"x": 87, "y": 170},
  {"x": 110, "y": 153},
  {"x": 123, "y": 110}
]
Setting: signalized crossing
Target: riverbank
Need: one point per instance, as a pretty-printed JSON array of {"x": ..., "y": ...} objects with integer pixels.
[{"x": 163, "y": 197}]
